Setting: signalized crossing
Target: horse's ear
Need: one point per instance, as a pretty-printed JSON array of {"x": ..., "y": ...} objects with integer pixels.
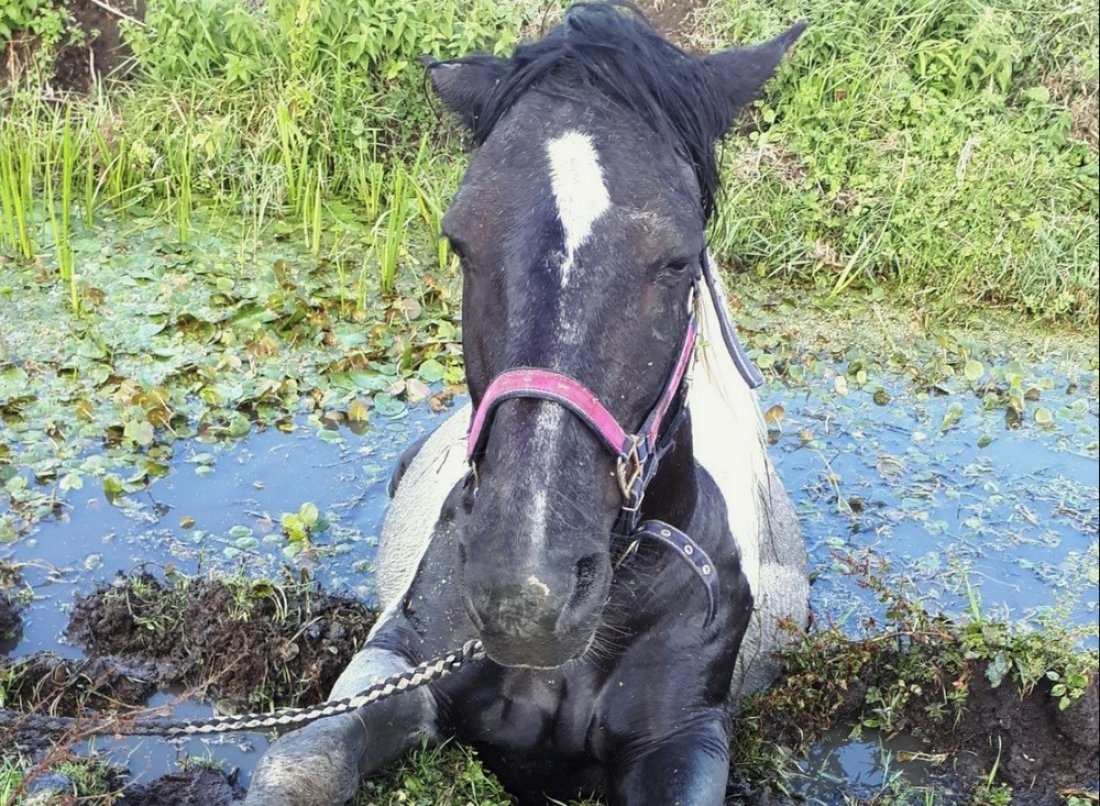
[
  {"x": 464, "y": 86},
  {"x": 743, "y": 71}
]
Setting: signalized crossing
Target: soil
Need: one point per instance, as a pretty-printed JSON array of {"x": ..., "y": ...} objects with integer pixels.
[
  {"x": 672, "y": 17},
  {"x": 1036, "y": 748},
  {"x": 11, "y": 624},
  {"x": 69, "y": 685},
  {"x": 197, "y": 786},
  {"x": 250, "y": 645},
  {"x": 93, "y": 47}
]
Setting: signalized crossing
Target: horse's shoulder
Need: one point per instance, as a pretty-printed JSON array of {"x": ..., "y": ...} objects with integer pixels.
[{"x": 433, "y": 469}]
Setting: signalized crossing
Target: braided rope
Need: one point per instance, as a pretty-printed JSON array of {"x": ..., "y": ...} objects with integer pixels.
[{"x": 421, "y": 675}]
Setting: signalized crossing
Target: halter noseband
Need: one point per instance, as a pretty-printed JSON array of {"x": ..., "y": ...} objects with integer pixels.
[{"x": 637, "y": 454}]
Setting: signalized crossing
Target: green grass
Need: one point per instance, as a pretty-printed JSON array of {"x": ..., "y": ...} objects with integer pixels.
[{"x": 947, "y": 150}]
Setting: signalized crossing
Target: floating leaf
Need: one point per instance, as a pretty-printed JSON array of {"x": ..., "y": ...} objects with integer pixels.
[
  {"x": 951, "y": 417},
  {"x": 112, "y": 485},
  {"x": 415, "y": 390},
  {"x": 1044, "y": 416},
  {"x": 881, "y": 397},
  {"x": 71, "y": 481},
  {"x": 308, "y": 514},
  {"x": 140, "y": 431},
  {"x": 387, "y": 405},
  {"x": 774, "y": 414},
  {"x": 431, "y": 371},
  {"x": 973, "y": 370},
  {"x": 358, "y": 410}
]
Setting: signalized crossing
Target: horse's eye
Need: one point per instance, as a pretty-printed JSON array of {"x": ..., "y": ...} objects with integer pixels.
[{"x": 675, "y": 269}]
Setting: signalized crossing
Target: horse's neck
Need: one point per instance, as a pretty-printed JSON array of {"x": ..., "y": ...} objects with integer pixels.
[{"x": 728, "y": 434}]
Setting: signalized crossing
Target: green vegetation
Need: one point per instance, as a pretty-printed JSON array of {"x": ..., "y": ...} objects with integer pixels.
[
  {"x": 946, "y": 149},
  {"x": 245, "y": 233},
  {"x": 913, "y": 674}
]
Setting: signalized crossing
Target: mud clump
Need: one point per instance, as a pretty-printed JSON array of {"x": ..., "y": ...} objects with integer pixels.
[
  {"x": 92, "y": 46},
  {"x": 1018, "y": 734},
  {"x": 65, "y": 686},
  {"x": 250, "y": 644},
  {"x": 1037, "y": 748},
  {"x": 196, "y": 786},
  {"x": 11, "y": 623}
]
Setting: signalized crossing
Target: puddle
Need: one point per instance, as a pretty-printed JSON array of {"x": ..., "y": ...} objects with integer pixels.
[
  {"x": 839, "y": 767},
  {"x": 966, "y": 510},
  {"x": 149, "y": 757}
]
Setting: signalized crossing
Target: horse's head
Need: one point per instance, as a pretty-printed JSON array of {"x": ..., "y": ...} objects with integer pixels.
[{"x": 580, "y": 226}]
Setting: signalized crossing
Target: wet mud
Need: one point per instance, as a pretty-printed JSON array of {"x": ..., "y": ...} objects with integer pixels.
[
  {"x": 1038, "y": 749},
  {"x": 245, "y": 643},
  {"x": 198, "y": 786},
  {"x": 11, "y": 624},
  {"x": 1023, "y": 738}
]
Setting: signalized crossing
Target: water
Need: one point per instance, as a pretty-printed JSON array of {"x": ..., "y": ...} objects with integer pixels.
[
  {"x": 974, "y": 514},
  {"x": 979, "y": 514}
]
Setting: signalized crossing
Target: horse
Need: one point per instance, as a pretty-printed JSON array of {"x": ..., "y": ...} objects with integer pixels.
[{"x": 603, "y": 515}]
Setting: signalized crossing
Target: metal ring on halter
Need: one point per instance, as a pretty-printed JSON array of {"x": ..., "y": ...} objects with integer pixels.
[{"x": 629, "y": 468}]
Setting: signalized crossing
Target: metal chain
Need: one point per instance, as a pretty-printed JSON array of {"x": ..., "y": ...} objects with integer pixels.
[{"x": 421, "y": 675}]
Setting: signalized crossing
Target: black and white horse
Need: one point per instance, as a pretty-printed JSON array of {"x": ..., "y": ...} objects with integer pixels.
[{"x": 604, "y": 518}]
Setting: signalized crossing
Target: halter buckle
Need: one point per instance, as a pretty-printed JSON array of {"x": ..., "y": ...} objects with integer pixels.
[{"x": 630, "y": 471}]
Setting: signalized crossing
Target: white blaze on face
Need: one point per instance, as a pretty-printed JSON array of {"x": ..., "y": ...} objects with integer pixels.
[{"x": 576, "y": 180}]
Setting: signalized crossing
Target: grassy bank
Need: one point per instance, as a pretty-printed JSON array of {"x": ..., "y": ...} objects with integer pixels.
[{"x": 945, "y": 151}]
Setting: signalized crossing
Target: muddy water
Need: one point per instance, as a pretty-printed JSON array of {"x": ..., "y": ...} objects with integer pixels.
[{"x": 969, "y": 512}]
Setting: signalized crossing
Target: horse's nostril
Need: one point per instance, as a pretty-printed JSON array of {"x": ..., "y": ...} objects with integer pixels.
[
  {"x": 584, "y": 577},
  {"x": 461, "y": 552}
]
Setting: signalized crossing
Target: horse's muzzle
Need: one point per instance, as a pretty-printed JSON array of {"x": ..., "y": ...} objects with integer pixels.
[{"x": 535, "y": 619}]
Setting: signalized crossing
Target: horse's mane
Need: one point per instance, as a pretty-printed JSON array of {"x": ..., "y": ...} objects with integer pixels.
[{"x": 612, "y": 49}]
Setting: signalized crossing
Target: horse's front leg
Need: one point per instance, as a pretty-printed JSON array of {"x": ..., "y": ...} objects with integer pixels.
[
  {"x": 688, "y": 768},
  {"x": 321, "y": 764}
]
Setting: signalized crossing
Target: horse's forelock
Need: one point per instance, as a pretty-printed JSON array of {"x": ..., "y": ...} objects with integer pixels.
[{"x": 610, "y": 50}]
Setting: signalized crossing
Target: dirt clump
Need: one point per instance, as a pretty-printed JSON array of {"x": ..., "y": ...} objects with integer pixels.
[
  {"x": 673, "y": 18},
  {"x": 11, "y": 623},
  {"x": 92, "y": 46},
  {"x": 1036, "y": 747},
  {"x": 65, "y": 686},
  {"x": 195, "y": 786},
  {"x": 250, "y": 644},
  {"x": 1022, "y": 736}
]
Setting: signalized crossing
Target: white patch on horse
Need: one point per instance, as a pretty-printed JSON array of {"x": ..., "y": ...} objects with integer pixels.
[
  {"x": 577, "y": 182},
  {"x": 538, "y": 585}
]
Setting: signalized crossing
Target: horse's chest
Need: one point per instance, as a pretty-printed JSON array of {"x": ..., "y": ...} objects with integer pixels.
[{"x": 525, "y": 712}]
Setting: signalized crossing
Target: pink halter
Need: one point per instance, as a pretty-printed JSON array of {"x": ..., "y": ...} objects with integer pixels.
[{"x": 633, "y": 450}]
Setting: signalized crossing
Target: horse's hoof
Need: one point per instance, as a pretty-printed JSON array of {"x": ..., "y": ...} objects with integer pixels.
[{"x": 317, "y": 765}]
